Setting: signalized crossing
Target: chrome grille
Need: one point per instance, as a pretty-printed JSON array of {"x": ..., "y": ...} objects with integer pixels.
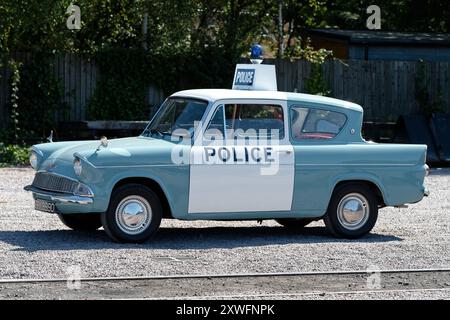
[{"x": 53, "y": 182}]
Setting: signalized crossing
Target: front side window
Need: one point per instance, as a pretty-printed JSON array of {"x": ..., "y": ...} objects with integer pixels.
[
  {"x": 248, "y": 121},
  {"x": 311, "y": 123},
  {"x": 176, "y": 113}
]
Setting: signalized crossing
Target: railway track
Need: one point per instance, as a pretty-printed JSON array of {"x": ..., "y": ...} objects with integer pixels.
[{"x": 286, "y": 285}]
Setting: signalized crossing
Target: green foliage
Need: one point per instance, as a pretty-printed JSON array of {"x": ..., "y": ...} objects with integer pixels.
[
  {"x": 427, "y": 106},
  {"x": 14, "y": 99},
  {"x": 304, "y": 50},
  {"x": 188, "y": 44},
  {"x": 316, "y": 83},
  {"x": 35, "y": 100},
  {"x": 127, "y": 74},
  {"x": 121, "y": 90},
  {"x": 298, "y": 15},
  {"x": 41, "y": 97},
  {"x": 13, "y": 155},
  {"x": 28, "y": 25}
]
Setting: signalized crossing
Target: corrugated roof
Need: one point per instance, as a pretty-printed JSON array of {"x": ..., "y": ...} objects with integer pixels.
[{"x": 383, "y": 37}]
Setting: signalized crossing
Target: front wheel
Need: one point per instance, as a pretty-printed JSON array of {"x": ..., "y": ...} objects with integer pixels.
[
  {"x": 352, "y": 212},
  {"x": 134, "y": 214},
  {"x": 81, "y": 221}
]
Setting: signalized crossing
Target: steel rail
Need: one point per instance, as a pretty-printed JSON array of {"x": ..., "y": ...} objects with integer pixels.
[
  {"x": 310, "y": 293},
  {"x": 227, "y": 275}
]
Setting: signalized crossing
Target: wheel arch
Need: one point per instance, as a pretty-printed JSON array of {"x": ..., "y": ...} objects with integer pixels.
[
  {"x": 373, "y": 184},
  {"x": 154, "y": 186}
]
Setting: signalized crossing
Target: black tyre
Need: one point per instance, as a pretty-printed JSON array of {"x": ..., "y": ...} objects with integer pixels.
[
  {"x": 134, "y": 214},
  {"x": 81, "y": 221},
  {"x": 294, "y": 223},
  {"x": 352, "y": 212}
]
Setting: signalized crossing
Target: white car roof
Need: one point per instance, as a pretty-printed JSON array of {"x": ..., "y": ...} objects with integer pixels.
[{"x": 220, "y": 94}]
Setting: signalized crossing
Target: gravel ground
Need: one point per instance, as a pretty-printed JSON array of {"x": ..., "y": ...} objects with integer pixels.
[{"x": 38, "y": 245}]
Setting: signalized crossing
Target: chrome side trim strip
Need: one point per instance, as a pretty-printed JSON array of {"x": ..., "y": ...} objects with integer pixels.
[{"x": 357, "y": 164}]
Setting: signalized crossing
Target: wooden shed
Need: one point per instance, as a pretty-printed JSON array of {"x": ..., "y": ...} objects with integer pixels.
[{"x": 380, "y": 45}]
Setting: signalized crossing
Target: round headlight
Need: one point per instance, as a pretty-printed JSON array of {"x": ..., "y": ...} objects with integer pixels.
[
  {"x": 33, "y": 160},
  {"x": 77, "y": 166}
]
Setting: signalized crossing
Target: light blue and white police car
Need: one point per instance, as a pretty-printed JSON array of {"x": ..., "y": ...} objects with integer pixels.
[{"x": 249, "y": 153}]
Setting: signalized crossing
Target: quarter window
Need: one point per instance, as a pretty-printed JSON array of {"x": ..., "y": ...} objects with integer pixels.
[
  {"x": 216, "y": 130},
  {"x": 310, "y": 123}
]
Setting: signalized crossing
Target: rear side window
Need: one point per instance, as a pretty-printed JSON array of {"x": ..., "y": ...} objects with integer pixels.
[{"x": 311, "y": 123}]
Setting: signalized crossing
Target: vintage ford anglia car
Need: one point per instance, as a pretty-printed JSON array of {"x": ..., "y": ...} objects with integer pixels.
[{"x": 224, "y": 154}]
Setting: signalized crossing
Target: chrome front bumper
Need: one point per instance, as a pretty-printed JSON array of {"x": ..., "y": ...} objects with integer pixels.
[{"x": 63, "y": 198}]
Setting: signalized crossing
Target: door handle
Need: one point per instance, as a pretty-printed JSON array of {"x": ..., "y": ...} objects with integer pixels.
[{"x": 284, "y": 151}]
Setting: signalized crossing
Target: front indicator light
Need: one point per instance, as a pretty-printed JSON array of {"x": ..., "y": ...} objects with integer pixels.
[{"x": 83, "y": 190}]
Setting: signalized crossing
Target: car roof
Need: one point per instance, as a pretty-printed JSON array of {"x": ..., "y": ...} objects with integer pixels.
[{"x": 220, "y": 94}]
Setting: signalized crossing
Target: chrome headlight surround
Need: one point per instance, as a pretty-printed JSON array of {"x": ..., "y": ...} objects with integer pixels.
[
  {"x": 33, "y": 159},
  {"x": 36, "y": 157},
  {"x": 77, "y": 166}
]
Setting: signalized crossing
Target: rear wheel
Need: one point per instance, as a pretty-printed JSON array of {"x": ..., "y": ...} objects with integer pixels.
[
  {"x": 81, "y": 221},
  {"x": 352, "y": 212},
  {"x": 134, "y": 214},
  {"x": 294, "y": 223}
]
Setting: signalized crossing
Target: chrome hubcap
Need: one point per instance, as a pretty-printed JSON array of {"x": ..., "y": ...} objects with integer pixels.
[
  {"x": 133, "y": 215},
  {"x": 353, "y": 211}
]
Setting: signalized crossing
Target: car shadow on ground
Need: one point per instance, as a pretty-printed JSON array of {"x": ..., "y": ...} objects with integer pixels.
[
  {"x": 180, "y": 238},
  {"x": 440, "y": 171}
]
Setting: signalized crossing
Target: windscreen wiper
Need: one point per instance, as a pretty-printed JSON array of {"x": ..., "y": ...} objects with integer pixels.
[{"x": 159, "y": 132}]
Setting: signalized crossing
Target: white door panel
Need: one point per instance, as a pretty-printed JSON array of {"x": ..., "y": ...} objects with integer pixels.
[
  {"x": 225, "y": 177},
  {"x": 217, "y": 186}
]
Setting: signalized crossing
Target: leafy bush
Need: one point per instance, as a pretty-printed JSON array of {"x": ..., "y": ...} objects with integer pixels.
[
  {"x": 41, "y": 98},
  {"x": 302, "y": 49},
  {"x": 316, "y": 83},
  {"x": 14, "y": 155},
  {"x": 126, "y": 75},
  {"x": 120, "y": 92},
  {"x": 427, "y": 107},
  {"x": 35, "y": 101}
]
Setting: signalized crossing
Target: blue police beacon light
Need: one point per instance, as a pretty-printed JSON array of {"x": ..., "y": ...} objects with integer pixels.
[{"x": 256, "y": 54}]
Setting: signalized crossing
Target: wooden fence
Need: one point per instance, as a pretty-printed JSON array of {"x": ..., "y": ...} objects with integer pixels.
[
  {"x": 78, "y": 79},
  {"x": 4, "y": 95},
  {"x": 386, "y": 89}
]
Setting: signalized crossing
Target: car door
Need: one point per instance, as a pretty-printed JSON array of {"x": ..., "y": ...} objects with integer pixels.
[{"x": 243, "y": 161}]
